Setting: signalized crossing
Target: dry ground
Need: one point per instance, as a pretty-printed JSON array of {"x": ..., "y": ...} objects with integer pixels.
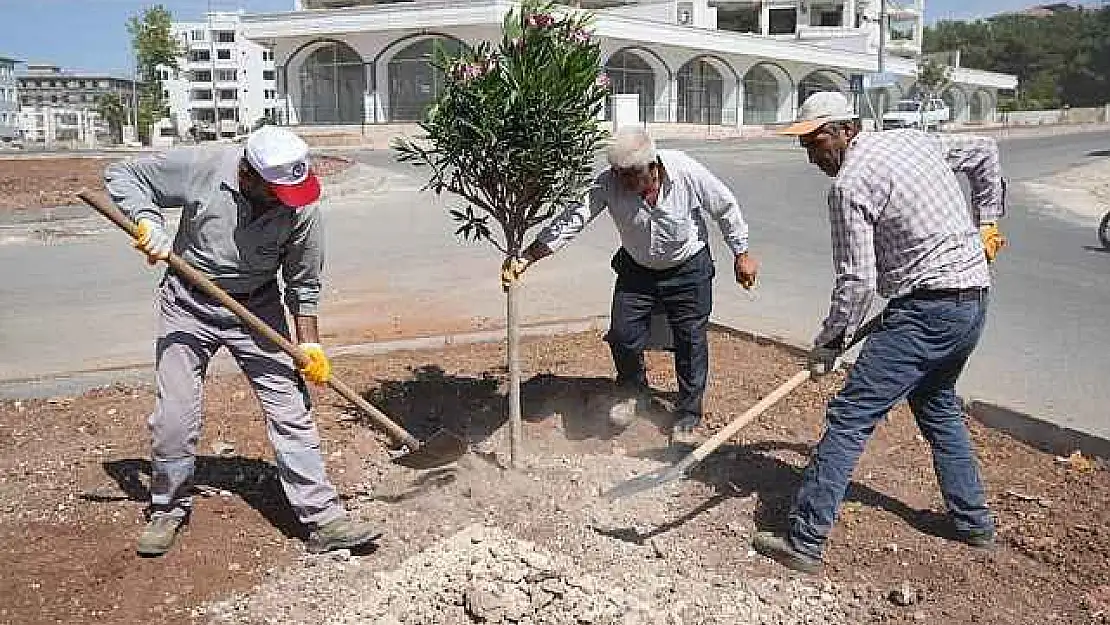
[
  {"x": 29, "y": 183},
  {"x": 73, "y": 476}
]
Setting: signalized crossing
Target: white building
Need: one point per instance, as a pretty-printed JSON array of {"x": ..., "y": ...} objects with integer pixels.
[
  {"x": 222, "y": 78},
  {"x": 709, "y": 62}
]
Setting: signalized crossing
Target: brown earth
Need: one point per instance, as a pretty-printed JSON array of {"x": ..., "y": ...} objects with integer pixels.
[
  {"x": 45, "y": 182},
  {"x": 73, "y": 474}
]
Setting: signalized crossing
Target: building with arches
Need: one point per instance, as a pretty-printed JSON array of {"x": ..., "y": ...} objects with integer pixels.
[{"x": 703, "y": 62}]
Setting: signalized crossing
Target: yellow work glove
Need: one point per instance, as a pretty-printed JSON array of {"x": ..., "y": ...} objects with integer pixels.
[
  {"x": 318, "y": 369},
  {"x": 152, "y": 240},
  {"x": 511, "y": 271},
  {"x": 993, "y": 241}
]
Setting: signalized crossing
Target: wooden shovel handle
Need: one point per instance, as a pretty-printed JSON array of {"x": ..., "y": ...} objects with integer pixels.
[
  {"x": 752, "y": 413},
  {"x": 106, "y": 207}
]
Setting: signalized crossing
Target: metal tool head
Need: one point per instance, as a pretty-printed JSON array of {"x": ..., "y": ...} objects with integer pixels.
[
  {"x": 442, "y": 448},
  {"x": 647, "y": 481}
]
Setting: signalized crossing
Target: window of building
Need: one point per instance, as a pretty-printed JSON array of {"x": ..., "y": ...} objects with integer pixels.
[
  {"x": 267, "y": 74},
  {"x": 223, "y": 54},
  {"x": 53, "y": 99},
  {"x": 782, "y": 21},
  {"x": 226, "y": 75},
  {"x": 267, "y": 55},
  {"x": 225, "y": 36},
  {"x": 229, "y": 114},
  {"x": 229, "y": 94},
  {"x": 270, "y": 94},
  {"x": 740, "y": 20},
  {"x": 89, "y": 97},
  {"x": 826, "y": 16},
  {"x": 102, "y": 84},
  {"x": 902, "y": 30},
  {"x": 196, "y": 56},
  {"x": 166, "y": 94},
  {"x": 202, "y": 94},
  {"x": 197, "y": 35},
  {"x": 201, "y": 75}
]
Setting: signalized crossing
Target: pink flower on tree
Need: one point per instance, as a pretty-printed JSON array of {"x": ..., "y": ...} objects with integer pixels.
[
  {"x": 539, "y": 20},
  {"x": 602, "y": 81},
  {"x": 579, "y": 36}
]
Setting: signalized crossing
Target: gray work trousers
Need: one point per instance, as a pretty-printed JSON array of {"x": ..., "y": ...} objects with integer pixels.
[{"x": 191, "y": 328}]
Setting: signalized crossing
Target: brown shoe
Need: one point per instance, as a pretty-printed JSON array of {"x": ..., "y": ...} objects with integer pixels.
[
  {"x": 342, "y": 533},
  {"x": 159, "y": 534}
]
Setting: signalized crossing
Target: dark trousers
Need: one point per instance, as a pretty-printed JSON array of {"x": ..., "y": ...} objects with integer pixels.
[
  {"x": 917, "y": 354},
  {"x": 685, "y": 293}
]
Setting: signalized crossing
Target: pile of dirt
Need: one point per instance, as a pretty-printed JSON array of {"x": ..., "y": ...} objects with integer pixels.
[{"x": 484, "y": 575}]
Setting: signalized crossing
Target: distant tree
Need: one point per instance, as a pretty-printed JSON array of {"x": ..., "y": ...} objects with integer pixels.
[
  {"x": 1062, "y": 58},
  {"x": 110, "y": 107},
  {"x": 155, "y": 47}
]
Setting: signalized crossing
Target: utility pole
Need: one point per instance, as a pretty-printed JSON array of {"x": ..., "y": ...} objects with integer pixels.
[{"x": 882, "y": 64}]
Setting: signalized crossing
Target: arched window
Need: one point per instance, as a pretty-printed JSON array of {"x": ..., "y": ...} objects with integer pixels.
[
  {"x": 414, "y": 83},
  {"x": 333, "y": 83},
  {"x": 628, "y": 73},
  {"x": 700, "y": 93}
]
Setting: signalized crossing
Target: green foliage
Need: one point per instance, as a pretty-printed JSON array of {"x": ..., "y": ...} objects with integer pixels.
[
  {"x": 933, "y": 77},
  {"x": 111, "y": 109},
  {"x": 154, "y": 46},
  {"x": 515, "y": 129},
  {"x": 1059, "y": 59}
]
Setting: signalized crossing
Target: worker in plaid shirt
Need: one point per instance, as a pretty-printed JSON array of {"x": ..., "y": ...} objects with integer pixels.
[{"x": 900, "y": 227}]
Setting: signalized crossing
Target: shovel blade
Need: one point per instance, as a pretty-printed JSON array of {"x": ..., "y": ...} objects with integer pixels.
[
  {"x": 645, "y": 482},
  {"x": 441, "y": 449}
]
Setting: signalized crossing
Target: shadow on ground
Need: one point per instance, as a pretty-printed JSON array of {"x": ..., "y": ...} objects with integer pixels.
[
  {"x": 476, "y": 407},
  {"x": 746, "y": 470},
  {"x": 255, "y": 481}
]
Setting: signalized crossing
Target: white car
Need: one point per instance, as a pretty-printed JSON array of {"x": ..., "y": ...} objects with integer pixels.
[{"x": 920, "y": 114}]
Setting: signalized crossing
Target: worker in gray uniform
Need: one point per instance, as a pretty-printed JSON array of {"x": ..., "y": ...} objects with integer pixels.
[{"x": 247, "y": 212}]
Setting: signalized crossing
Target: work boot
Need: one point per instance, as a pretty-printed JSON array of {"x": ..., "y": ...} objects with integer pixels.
[
  {"x": 342, "y": 533},
  {"x": 683, "y": 431},
  {"x": 780, "y": 550},
  {"x": 159, "y": 534}
]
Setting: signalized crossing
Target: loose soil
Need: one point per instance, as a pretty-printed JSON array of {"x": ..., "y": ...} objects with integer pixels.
[
  {"x": 45, "y": 182},
  {"x": 476, "y": 542}
]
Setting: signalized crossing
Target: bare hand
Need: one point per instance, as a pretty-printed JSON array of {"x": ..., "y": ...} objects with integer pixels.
[{"x": 747, "y": 268}]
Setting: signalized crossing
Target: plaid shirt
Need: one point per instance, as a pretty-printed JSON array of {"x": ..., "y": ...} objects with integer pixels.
[{"x": 900, "y": 221}]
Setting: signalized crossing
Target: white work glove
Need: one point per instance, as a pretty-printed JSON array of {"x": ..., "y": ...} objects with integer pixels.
[
  {"x": 153, "y": 240},
  {"x": 822, "y": 360}
]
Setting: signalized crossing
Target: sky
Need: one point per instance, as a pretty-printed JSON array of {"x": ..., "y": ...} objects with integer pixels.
[{"x": 92, "y": 35}]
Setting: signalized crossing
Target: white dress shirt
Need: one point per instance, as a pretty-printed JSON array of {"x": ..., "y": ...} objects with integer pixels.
[{"x": 667, "y": 234}]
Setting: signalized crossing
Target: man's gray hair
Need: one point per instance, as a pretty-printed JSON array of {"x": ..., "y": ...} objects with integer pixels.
[{"x": 632, "y": 148}]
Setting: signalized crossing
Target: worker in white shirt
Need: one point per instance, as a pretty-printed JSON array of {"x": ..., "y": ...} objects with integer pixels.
[{"x": 656, "y": 198}]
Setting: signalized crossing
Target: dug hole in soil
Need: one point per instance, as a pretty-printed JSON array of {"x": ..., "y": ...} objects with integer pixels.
[{"x": 477, "y": 543}]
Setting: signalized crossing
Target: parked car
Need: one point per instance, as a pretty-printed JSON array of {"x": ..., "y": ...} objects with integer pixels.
[{"x": 921, "y": 114}]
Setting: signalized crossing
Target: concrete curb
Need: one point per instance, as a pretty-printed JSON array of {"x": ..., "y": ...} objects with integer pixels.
[{"x": 1033, "y": 431}]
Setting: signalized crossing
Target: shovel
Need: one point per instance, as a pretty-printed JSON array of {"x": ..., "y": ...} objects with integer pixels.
[
  {"x": 659, "y": 477},
  {"x": 442, "y": 448}
]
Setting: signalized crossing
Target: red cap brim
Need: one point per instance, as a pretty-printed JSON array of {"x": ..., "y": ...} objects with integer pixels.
[{"x": 298, "y": 195}]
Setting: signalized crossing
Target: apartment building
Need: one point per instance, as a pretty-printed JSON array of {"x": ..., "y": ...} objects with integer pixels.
[
  {"x": 224, "y": 84},
  {"x": 9, "y": 102},
  {"x": 58, "y": 106},
  {"x": 708, "y": 62}
]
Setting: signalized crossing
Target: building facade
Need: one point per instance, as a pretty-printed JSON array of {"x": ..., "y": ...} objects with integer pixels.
[
  {"x": 60, "y": 107},
  {"x": 10, "y": 131},
  {"x": 224, "y": 84},
  {"x": 709, "y": 62}
]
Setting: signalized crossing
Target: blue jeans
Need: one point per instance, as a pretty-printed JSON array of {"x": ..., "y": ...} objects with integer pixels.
[{"x": 916, "y": 353}]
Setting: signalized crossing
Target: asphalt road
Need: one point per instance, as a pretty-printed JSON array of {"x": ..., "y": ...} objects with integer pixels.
[{"x": 77, "y": 299}]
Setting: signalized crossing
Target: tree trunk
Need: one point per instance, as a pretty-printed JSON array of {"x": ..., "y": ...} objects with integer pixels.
[{"x": 515, "y": 446}]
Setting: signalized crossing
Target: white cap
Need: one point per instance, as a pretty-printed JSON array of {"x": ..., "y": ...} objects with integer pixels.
[
  {"x": 819, "y": 109},
  {"x": 281, "y": 158}
]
